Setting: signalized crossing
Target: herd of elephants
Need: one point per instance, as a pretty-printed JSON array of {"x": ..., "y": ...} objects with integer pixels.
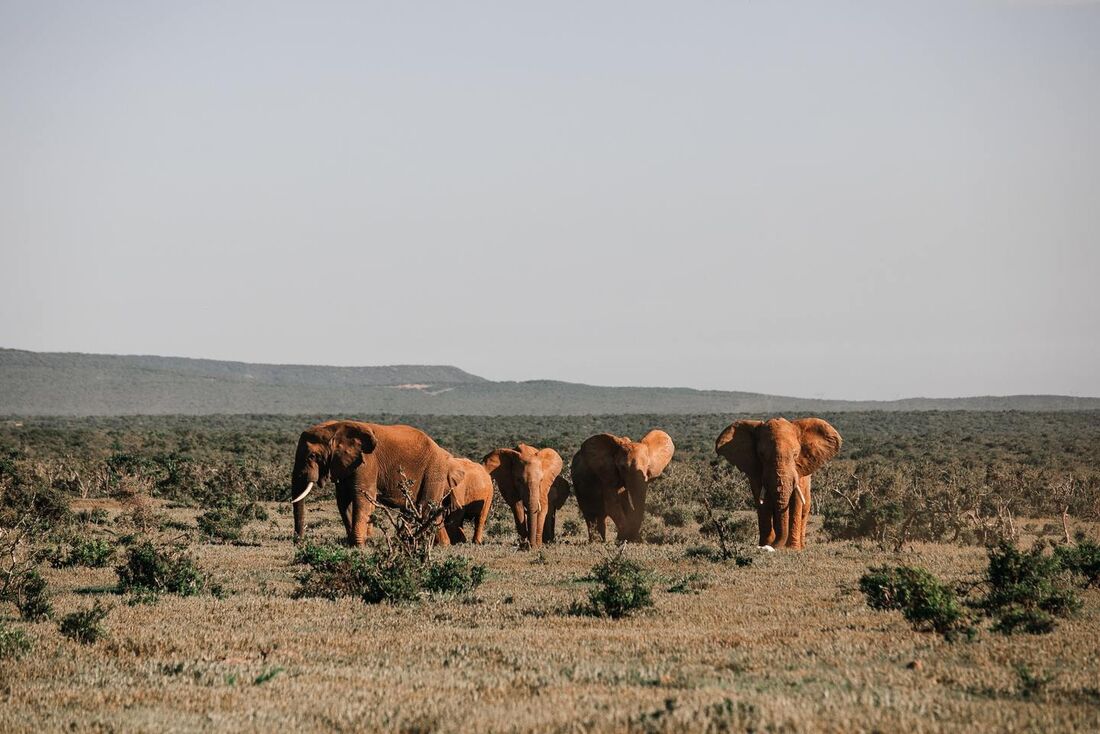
[{"x": 394, "y": 464}]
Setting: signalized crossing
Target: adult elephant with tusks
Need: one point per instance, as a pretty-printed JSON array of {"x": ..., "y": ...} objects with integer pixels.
[
  {"x": 370, "y": 464},
  {"x": 778, "y": 456},
  {"x": 611, "y": 475}
]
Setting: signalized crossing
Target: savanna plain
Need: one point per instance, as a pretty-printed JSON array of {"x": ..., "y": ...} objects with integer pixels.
[{"x": 149, "y": 582}]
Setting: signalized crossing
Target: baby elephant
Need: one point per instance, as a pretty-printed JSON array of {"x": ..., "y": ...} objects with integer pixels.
[{"x": 471, "y": 498}]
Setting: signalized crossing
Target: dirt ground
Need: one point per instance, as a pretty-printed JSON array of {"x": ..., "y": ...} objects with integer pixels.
[{"x": 786, "y": 644}]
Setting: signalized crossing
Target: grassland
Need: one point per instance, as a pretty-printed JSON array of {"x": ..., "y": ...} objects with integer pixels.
[{"x": 786, "y": 643}]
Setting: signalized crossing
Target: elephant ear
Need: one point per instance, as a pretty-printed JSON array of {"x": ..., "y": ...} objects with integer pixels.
[
  {"x": 661, "y": 449},
  {"x": 358, "y": 435},
  {"x": 600, "y": 453},
  {"x": 501, "y": 467},
  {"x": 456, "y": 472},
  {"x": 551, "y": 462},
  {"x": 820, "y": 442},
  {"x": 559, "y": 492},
  {"x": 737, "y": 445}
]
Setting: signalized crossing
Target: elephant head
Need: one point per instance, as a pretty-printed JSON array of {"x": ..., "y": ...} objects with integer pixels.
[
  {"x": 525, "y": 476},
  {"x": 775, "y": 455},
  {"x": 328, "y": 450},
  {"x": 619, "y": 462}
]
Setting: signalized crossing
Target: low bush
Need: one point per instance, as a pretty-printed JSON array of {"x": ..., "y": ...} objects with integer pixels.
[
  {"x": 373, "y": 577},
  {"x": 13, "y": 642},
  {"x": 321, "y": 555},
  {"x": 453, "y": 575},
  {"x": 83, "y": 626},
  {"x": 1082, "y": 560},
  {"x": 159, "y": 570},
  {"x": 621, "y": 587},
  {"x": 30, "y": 597},
  {"x": 1026, "y": 590},
  {"x": 225, "y": 523},
  {"x": 378, "y": 576},
  {"x": 91, "y": 553},
  {"x": 926, "y": 603}
]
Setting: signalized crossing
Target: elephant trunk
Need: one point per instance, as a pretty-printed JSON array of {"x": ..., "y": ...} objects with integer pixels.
[
  {"x": 303, "y": 480},
  {"x": 535, "y": 511},
  {"x": 299, "y": 520},
  {"x": 785, "y": 487},
  {"x": 634, "y": 504}
]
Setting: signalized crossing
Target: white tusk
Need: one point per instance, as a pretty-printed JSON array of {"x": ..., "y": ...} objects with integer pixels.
[
  {"x": 302, "y": 496},
  {"x": 800, "y": 495},
  {"x": 767, "y": 548}
]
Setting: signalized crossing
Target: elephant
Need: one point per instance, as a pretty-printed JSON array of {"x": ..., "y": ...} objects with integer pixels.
[
  {"x": 531, "y": 483},
  {"x": 471, "y": 496},
  {"x": 778, "y": 456},
  {"x": 610, "y": 477},
  {"x": 370, "y": 464}
]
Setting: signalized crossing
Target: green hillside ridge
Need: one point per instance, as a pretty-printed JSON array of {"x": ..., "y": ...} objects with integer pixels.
[{"x": 45, "y": 383}]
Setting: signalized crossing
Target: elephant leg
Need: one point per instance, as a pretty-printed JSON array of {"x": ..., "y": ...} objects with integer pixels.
[
  {"x": 797, "y": 512},
  {"x": 344, "y": 497},
  {"x": 519, "y": 513},
  {"x": 479, "y": 522},
  {"x": 618, "y": 516},
  {"x": 548, "y": 527},
  {"x": 361, "y": 509},
  {"x": 764, "y": 522},
  {"x": 805, "y": 512},
  {"x": 539, "y": 520}
]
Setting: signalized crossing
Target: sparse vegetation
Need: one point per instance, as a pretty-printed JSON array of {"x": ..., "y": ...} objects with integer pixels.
[
  {"x": 149, "y": 568},
  {"x": 926, "y": 603},
  {"x": 86, "y": 552},
  {"x": 718, "y": 652},
  {"x": 13, "y": 642},
  {"x": 1026, "y": 590},
  {"x": 620, "y": 587},
  {"x": 83, "y": 626}
]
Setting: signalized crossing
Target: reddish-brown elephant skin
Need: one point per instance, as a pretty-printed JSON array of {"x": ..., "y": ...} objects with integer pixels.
[
  {"x": 530, "y": 482},
  {"x": 370, "y": 464},
  {"x": 472, "y": 495},
  {"x": 778, "y": 456},
  {"x": 611, "y": 476}
]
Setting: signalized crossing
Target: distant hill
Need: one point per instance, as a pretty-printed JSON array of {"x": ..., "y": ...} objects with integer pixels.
[{"x": 49, "y": 383}]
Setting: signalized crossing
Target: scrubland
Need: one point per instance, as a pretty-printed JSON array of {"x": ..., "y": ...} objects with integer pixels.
[{"x": 758, "y": 642}]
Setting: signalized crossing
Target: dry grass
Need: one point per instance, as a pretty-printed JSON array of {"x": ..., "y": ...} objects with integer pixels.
[{"x": 786, "y": 644}]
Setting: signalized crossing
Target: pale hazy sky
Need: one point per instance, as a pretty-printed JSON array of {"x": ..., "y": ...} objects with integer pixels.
[{"x": 849, "y": 200}]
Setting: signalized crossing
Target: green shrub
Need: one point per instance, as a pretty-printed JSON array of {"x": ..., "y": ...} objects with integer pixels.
[
  {"x": 373, "y": 577},
  {"x": 926, "y": 603},
  {"x": 321, "y": 555},
  {"x": 393, "y": 579},
  {"x": 93, "y": 553},
  {"x": 621, "y": 588},
  {"x": 13, "y": 642},
  {"x": 1026, "y": 590},
  {"x": 159, "y": 570},
  {"x": 83, "y": 626},
  {"x": 1082, "y": 560},
  {"x": 226, "y": 522},
  {"x": 453, "y": 575},
  {"x": 30, "y": 597}
]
